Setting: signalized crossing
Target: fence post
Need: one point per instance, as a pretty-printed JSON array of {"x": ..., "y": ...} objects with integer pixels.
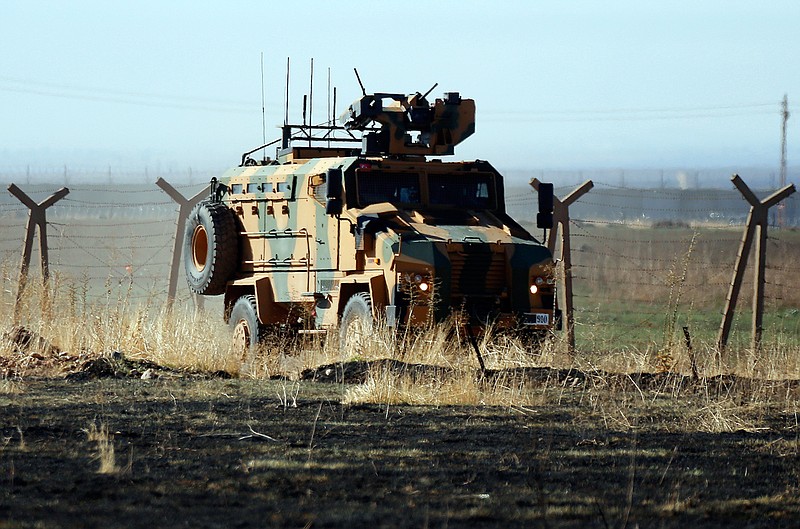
[
  {"x": 186, "y": 205},
  {"x": 36, "y": 217},
  {"x": 561, "y": 222},
  {"x": 756, "y": 224}
]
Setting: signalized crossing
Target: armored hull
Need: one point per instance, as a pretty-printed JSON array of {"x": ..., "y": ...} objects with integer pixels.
[{"x": 326, "y": 232}]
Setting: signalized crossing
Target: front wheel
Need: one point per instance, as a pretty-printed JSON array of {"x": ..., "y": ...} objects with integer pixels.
[
  {"x": 356, "y": 326},
  {"x": 247, "y": 332}
]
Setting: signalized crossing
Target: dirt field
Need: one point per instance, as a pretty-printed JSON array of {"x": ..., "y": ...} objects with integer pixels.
[{"x": 215, "y": 452}]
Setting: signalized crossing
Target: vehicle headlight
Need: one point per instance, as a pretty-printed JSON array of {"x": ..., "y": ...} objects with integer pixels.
[
  {"x": 536, "y": 284},
  {"x": 418, "y": 280}
]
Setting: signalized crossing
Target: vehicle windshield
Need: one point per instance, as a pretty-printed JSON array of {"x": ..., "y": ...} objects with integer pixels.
[
  {"x": 462, "y": 190},
  {"x": 471, "y": 191},
  {"x": 397, "y": 188}
]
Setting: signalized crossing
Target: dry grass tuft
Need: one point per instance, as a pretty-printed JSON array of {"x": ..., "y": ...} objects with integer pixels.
[
  {"x": 721, "y": 415},
  {"x": 438, "y": 366},
  {"x": 385, "y": 385},
  {"x": 105, "y": 448},
  {"x": 10, "y": 387}
]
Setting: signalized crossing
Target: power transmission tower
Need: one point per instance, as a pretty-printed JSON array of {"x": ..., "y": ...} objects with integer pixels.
[{"x": 785, "y": 114}]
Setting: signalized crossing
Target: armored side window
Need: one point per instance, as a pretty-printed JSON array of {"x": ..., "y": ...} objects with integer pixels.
[
  {"x": 281, "y": 190},
  {"x": 236, "y": 189},
  {"x": 318, "y": 187},
  {"x": 253, "y": 188}
]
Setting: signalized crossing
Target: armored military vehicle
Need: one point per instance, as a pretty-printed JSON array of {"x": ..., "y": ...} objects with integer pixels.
[{"x": 331, "y": 236}]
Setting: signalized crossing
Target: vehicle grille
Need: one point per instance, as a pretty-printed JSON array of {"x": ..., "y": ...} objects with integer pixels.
[
  {"x": 477, "y": 274},
  {"x": 548, "y": 301}
]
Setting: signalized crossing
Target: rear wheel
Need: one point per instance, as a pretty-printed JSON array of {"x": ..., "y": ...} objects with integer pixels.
[
  {"x": 356, "y": 326},
  {"x": 247, "y": 332}
]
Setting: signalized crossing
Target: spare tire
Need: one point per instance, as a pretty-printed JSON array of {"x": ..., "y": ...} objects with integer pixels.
[{"x": 210, "y": 248}]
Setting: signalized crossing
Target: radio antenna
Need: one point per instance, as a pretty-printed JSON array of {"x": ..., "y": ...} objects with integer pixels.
[
  {"x": 358, "y": 77},
  {"x": 329, "y": 95},
  {"x": 330, "y": 118},
  {"x": 286, "y": 99},
  {"x": 311, "y": 102},
  {"x": 263, "y": 110}
]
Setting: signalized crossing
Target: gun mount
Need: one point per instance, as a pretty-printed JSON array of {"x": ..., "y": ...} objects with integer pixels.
[
  {"x": 391, "y": 124},
  {"x": 410, "y": 125}
]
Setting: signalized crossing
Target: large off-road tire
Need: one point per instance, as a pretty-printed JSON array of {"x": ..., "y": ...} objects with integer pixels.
[
  {"x": 356, "y": 326},
  {"x": 247, "y": 332},
  {"x": 210, "y": 248}
]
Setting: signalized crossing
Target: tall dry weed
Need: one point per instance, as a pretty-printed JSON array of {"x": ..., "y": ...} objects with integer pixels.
[
  {"x": 105, "y": 447},
  {"x": 435, "y": 365},
  {"x": 75, "y": 324}
]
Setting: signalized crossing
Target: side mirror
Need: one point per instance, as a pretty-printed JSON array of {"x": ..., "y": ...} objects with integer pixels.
[
  {"x": 333, "y": 197},
  {"x": 544, "y": 219}
]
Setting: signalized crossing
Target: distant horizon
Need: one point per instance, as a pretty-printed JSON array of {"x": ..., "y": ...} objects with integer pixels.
[
  {"x": 50, "y": 160},
  {"x": 680, "y": 177}
]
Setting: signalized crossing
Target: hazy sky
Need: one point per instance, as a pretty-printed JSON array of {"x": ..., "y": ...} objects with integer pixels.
[{"x": 557, "y": 84}]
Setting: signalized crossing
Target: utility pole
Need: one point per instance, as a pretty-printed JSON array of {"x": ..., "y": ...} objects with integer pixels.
[{"x": 785, "y": 114}]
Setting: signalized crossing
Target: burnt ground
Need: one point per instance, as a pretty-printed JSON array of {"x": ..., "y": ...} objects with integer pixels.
[{"x": 214, "y": 452}]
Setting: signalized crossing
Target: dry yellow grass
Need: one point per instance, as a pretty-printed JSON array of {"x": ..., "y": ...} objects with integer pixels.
[
  {"x": 76, "y": 325},
  {"x": 435, "y": 366},
  {"x": 105, "y": 448},
  {"x": 10, "y": 387}
]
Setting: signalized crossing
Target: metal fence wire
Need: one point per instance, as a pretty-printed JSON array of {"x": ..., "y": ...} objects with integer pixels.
[
  {"x": 646, "y": 262},
  {"x": 101, "y": 236}
]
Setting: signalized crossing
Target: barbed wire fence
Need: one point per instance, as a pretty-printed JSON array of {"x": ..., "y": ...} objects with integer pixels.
[
  {"x": 104, "y": 176},
  {"x": 106, "y": 238},
  {"x": 646, "y": 262}
]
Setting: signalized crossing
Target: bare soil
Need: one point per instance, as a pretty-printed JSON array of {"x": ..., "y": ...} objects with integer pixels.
[{"x": 202, "y": 450}]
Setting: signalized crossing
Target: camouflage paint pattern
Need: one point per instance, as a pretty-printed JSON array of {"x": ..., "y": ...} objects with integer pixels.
[{"x": 303, "y": 265}]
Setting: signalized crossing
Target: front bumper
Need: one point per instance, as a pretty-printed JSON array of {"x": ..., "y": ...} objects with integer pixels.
[{"x": 542, "y": 319}]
